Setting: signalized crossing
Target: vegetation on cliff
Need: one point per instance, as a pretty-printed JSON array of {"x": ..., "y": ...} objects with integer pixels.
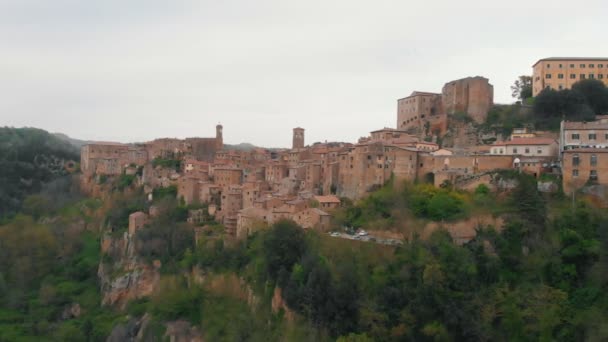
[{"x": 540, "y": 276}]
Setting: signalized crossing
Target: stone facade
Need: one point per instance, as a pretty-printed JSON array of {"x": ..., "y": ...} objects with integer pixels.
[
  {"x": 584, "y": 166},
  {"x": 414, "y": 110},
  {"x": 427, "y": 114},
  {"x": 110, "y": 158},
  {"x": 472, "y": 95}
]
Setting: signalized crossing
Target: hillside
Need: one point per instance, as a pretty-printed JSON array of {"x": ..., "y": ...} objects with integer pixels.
[{"x": 30, "y": 158}]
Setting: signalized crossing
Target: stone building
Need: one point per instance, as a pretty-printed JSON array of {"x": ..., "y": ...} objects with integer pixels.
[
  {"x": 562, "y": 72},
  {"x": 370, "y": 165},
  {"x": 328, "y": 202},
  {"x": 414, "y": 110},
  {"x": 536, "y": 147},
  {"x": 427, "y": 113},
  {"x": 225, "y": 176},
  {"x": 472, "y": 95},
  {"x": 584, "y": 153},
  {"x": 107, "y": 158},
  {"x": 592, "y": 134},
  {"x": 137, "y": 220},
  {"x": 584, "y": 166}
]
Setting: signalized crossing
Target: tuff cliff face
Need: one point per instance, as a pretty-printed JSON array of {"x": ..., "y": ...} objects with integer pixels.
[{"x": 122, "y": 276}]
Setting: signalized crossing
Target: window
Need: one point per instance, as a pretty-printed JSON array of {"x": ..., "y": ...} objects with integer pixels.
[
  {"x": 561, "y": 87},
  {"x": 548, "y": 76},
  {"x": 582, "y": 65},
  {"x": 600, "y": 65},
  {"x": 560, "y": 76},
  {"x": 572, "y": 76},
  {"x": 527, "y": 150},
  {"x": 592, "y": 136},
  {"x": 575, "y": 173},
  {"x": 514, "y": 149},
  {"x": 591, "y": 66},
  {"x": 600, "y": 76},
  {"x": 572, "y": 65},
  {"x": 539, "y": 150},
  {"x": 582, "y": 76},
  {"x": 575, "y": 160},
  {"x": 591, "y": 76},
  {"x": 548, "y": 65},
  {"x": 606, "y": 136},
  {"x": 575, "y": 136},
  {"x": 593, "y": 174},
  {"x": 593, "y": 160},
  {"x": 560, "y": 65}
]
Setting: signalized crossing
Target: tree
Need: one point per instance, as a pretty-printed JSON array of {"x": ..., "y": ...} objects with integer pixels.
[
  {"x": 522, "y": 88},
  {"x": 595, "y": 94},
  {"x": 284, "y": 245}
]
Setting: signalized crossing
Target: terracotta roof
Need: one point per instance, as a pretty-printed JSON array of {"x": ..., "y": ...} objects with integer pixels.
[
  {"x": 585, "y": 125},
  {"x": 571, "y": 59},
  {"x": 327, "y": 199},
  {"x": 419, "y": 93}
]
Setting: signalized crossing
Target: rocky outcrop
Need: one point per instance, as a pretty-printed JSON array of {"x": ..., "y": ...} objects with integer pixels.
[
  {"x": 278, "y": 304},
  {"x": 122, "y": 276}
]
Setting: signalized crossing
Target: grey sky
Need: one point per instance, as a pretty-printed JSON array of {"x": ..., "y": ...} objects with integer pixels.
[{"x": 137, "y": 70}]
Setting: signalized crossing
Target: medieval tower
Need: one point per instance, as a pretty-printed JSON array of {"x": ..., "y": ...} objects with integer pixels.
[
  {"x": 298, "y": 138},
  {"x": 219, "y": 138}
]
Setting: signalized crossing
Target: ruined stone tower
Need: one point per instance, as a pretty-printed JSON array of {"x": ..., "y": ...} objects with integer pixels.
[{"x": 298, "y": 138}]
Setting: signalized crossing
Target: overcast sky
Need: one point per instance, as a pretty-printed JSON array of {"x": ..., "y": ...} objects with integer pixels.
[{"x": 127, "y": 70}]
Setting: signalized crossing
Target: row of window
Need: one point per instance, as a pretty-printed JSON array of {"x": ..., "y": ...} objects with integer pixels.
[
  {"x": 576, "y": 160},
  {"x": 526, "y": 150},
  {"x": 414, "y": 100},
  {"x": 580, "y": 65},
  {"x": 592, "y": 174},
  {"x": 590, "y": 136},
  {"x": 573, "y": 76}
]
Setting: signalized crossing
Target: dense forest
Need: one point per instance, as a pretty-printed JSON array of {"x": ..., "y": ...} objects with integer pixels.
[
  {"x": 541, "y": 275},
  {"x": 30, "y": 159}
]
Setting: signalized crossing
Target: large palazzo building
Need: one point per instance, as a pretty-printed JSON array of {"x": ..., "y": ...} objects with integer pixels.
[{"x": 562, "y": 72}]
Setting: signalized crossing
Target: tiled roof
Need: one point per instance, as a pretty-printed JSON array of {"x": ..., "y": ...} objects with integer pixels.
[
  {"x": 327, "y": 199},
  {"x": 585, "y": 125},
  {"x": 572, "y": 59}
]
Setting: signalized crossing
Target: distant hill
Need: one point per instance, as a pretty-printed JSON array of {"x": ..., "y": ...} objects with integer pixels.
[
  {"x": 29, "y": 159},
  {"x": 240, "y": 147},
  {"x": 75, "y": 142}
]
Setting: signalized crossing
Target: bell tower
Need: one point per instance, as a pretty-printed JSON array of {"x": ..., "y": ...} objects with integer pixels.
[
  {"x": 298, "y": 138},
  {"x": 219, "y": 137}
]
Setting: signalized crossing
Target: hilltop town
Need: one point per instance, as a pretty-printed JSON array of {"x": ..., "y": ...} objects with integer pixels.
[
  {"x": 433, "y": 141},
  {"x": 466, "y": 220}
]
